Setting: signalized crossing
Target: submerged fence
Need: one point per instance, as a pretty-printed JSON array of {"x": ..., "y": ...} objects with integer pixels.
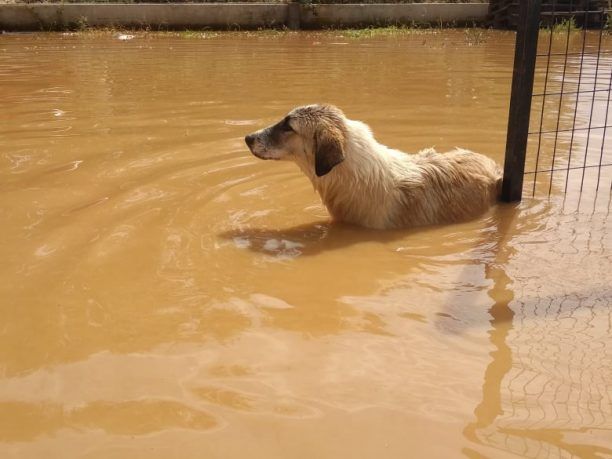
[{"x": 560, "y": 121}]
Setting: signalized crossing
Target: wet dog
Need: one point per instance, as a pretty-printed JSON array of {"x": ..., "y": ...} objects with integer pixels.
[{"x": 366, "y": 183}]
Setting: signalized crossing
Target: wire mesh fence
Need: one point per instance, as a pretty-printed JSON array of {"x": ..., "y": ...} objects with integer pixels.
[{"x": 567, "y": 147}]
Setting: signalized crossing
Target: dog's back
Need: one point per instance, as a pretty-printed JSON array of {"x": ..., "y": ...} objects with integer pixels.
[{"x": 451, "y": 187}]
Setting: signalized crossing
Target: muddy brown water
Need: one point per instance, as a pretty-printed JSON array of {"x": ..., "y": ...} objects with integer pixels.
[{"x": 165, "y": 294}]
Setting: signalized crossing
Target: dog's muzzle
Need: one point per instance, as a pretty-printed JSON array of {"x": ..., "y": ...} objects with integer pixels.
[
  {"x": 250, "y": 141},
  {"x": 254, "y": 144}
]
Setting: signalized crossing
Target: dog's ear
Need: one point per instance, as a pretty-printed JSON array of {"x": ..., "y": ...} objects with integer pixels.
[{"x": 328, "y": 148}]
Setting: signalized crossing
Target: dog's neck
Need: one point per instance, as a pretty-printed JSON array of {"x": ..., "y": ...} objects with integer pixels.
[{"x": 361, "y": 177}]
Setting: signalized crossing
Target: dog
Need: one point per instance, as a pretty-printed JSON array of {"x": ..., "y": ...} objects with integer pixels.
[{"x": 365, "y": 183}]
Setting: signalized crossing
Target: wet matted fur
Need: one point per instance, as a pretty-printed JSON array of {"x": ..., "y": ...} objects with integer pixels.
[{"x": 366, "y": 183}]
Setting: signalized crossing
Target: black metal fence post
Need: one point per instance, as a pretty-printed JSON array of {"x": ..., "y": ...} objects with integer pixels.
[{"x": 520, "y": 100}]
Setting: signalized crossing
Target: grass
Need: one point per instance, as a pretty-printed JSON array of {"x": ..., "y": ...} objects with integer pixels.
[
  {"x": 189, "y": 34},
  {"x": 473, "y": 36},
  {"x": 374, "y": 32},
  {"x": 564, "y": 26}
]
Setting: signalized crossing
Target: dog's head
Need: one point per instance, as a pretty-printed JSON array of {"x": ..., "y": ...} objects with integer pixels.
[{"x": 315, "y": 132}]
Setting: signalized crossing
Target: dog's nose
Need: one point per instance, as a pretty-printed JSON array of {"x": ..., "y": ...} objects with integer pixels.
[{"x": 250, "y": 140}]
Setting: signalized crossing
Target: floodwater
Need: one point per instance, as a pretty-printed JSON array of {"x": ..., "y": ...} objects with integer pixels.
[{"x": 165, "y": 294}]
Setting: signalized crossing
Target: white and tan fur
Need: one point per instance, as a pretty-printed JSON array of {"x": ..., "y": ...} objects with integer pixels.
[{"x": 366, "y": 183}]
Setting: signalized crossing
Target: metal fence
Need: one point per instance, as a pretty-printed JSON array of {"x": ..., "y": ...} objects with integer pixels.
[{"x": 560, "y": 121}]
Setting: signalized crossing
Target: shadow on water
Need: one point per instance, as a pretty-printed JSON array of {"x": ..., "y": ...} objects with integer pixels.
[
  {"x": 442, "y": 262},
  {"x": 312, "y": 238},
  {"x": 426, "y": 253},
  {"x": 318, "y": 237}
]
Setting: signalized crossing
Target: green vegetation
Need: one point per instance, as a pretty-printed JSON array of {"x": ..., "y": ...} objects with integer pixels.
[
  {"x": 564, "y": 26},
  {"x": 82, "y": 23},
  {"x": 196, "y": 34},
  {"x": 388, "y": 31},
  {"x": 473, "y": 36}
]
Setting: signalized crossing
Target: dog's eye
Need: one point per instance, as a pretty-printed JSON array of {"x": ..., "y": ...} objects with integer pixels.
[{"x": 285, "y": 126}]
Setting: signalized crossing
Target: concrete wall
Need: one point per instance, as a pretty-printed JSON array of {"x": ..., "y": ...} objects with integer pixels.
[
  {"x": 399, "y": 13},
  {"x": 174, "y": 16},
  {"x": 40, "y": 16}
]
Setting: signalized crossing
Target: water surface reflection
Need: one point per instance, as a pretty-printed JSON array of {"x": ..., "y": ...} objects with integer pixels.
[{"x": 165, "y": 294}]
